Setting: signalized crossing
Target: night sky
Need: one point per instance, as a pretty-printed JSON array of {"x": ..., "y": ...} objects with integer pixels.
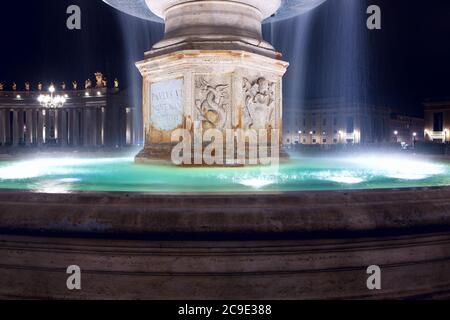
[{"x": 405, "y": 63}]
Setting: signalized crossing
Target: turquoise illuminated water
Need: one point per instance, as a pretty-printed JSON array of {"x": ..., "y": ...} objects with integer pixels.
[{"x": 63, "y": 175}]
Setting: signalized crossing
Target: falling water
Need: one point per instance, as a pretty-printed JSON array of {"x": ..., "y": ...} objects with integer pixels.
[
  {"x": 327, "y": 50},
  {"x": 138, "y": 37}
]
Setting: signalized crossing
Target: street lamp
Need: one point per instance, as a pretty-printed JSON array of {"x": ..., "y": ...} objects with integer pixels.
[
  {"x": 396, "y": 136},
  {"x": 50, "y": 101}
]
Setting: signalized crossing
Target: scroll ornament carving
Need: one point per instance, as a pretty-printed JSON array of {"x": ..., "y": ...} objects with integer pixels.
[
  {"x": 259, "y": 107},
  {"x": 212, "y": 107}
]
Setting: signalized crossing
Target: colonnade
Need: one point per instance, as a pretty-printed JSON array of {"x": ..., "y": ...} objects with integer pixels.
[{"x": 64, "y": 126}]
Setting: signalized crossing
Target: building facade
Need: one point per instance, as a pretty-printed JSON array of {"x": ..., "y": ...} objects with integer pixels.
[
  {"x": 328, "y": 122},
  {"x": 406, "y": 130},
  {"x": 437, "y": 121},
  {"x": 90, "y": 117}
]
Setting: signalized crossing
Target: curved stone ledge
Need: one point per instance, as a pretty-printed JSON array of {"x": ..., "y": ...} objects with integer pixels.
[
  {"x": 335, "y": 237},
  {"x": 412, "y": 267},
  {"x": 304, "y": 213}
]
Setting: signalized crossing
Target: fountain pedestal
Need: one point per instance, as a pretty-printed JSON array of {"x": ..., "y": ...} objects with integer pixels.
[{"x": 212, "y": 70}]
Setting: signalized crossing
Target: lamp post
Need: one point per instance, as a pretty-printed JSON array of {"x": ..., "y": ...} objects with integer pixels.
[
  {"x": 414, "y": 139},
  {"x": 50, "y": 101},
  {"x": 396, "y": 136}
]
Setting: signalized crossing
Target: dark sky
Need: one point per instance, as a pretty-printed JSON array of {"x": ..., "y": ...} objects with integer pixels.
[{"x": 399, "y": 66}]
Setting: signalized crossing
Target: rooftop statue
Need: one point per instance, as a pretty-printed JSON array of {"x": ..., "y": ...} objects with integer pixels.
[
  {"x": 99, "y": 80},
  {"x": 88, "y": 84}
]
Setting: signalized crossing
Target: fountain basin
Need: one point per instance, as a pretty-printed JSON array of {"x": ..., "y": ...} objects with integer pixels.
[
  {"x": 309, "y": 245},
  {"x": 69, "y": 175},
  {"x": 248, "y": 244}
]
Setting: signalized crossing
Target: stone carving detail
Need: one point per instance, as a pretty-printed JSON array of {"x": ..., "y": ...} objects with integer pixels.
[
  {"x": 99, "y": 80},
  {"x": 88, "y": 84},
  {"x": 74, "y": 85},
  {"x": 259, "y": 107},
  {"x": 1, "y": 86},
  {"x": 212, "y": 103}
]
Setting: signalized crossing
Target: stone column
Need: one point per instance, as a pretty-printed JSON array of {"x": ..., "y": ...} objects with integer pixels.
[
  {"x": 15, "y": 131},
  {"x": 48, "y": 125},
  {"x": 21, "y": 125},
  {"x": 2, "y": 127},
  {"x": 35, "y": 120},
  {"x": 8, "y": 135},
  {"x": 40, "y": 127},
  {"x": 86, "y": 127},
  {"x": 56, "y": 117},
  {"x": 100, "y": 126},
  {"x": 63, "y": 127},
  {"x": 69, "y": 126},
  {"x": 29, "y": 138},
  {"x": 75, "y": 141},
  {"x": 94, "y": 127}
]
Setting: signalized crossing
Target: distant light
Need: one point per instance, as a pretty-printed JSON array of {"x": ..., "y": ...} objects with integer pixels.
[
  {"x": 99, "y": 93},
  {"x": 396, "y": 132},
  {"x": 66, "y": 96},
  {"x": 415, "y": 134},
  {"x": 256, "y": 183},
  {"x": 398, "y": 167},
  {"x": 87, "y": 94},
  {"x": 299, "y": 132},
  {"x": 344, "y": 177},
  {"x": 310, "y": 132},
  {"x": 51, "y": 89},
  {"x": 18, "y": 96}
]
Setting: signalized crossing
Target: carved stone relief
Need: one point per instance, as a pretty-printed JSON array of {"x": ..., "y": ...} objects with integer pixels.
[
  {"x": 259, "y": 106},
  {"x": 212, "y": 101}
]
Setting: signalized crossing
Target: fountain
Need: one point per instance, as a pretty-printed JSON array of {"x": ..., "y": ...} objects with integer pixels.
[
  {"x": 212, "y": 70},
  {"x": 307, "y": 229}
]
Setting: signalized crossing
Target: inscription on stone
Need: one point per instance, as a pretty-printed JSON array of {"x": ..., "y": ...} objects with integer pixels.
[{"x": 166, "y": 104}]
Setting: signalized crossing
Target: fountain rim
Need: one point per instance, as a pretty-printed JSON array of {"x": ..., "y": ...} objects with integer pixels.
[
  {"x": 288, "y": 9},
  {"x": 307, "y": 213}
]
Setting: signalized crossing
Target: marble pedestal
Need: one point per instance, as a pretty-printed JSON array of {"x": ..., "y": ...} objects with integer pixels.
[
  {"x": 211, "y": 89},
  {"x": 212, "y": 70}
]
